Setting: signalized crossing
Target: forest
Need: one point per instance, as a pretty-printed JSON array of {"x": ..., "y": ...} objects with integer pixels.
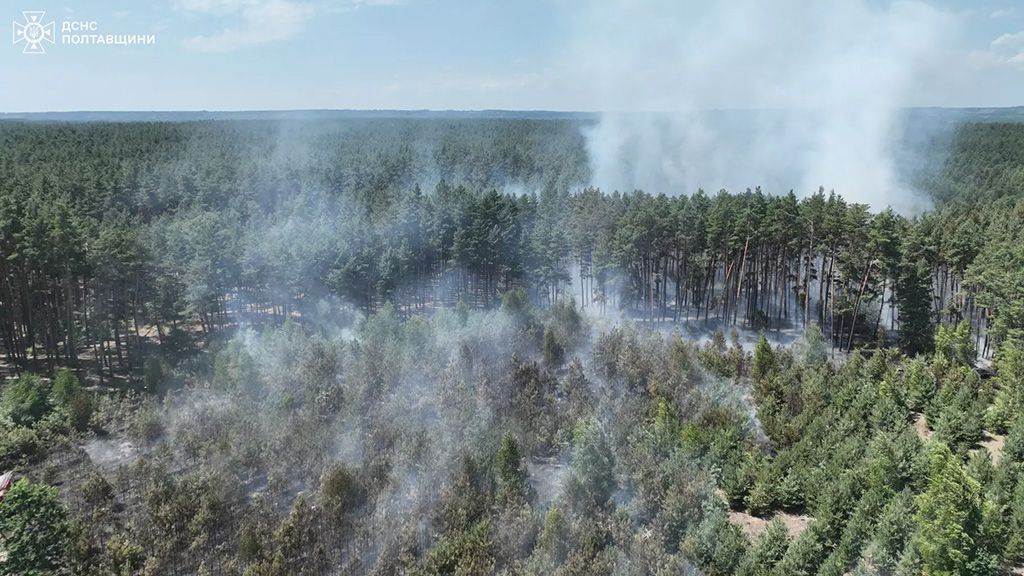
[{"x": 429, "y": 345}]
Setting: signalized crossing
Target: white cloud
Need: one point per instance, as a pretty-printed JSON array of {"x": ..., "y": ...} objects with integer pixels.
[
  {"x": 263, "y": 21},
  {"x": 444, "y": 86},
  {"x": 1010, "y": 41},
  {"x": 221, "y": 7},
  {"x": 346, "y": 5},
  {"x": 1006, "y": 50},
  {"x": 259, "y": 22}
]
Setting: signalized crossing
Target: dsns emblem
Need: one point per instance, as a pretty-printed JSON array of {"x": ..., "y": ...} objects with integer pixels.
[{"x": 33, "y": 32}]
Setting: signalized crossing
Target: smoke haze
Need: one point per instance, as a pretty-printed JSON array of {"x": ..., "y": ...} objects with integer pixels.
[{"x": 814, "y": 92}]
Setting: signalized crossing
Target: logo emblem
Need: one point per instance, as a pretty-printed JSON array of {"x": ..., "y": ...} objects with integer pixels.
[{"x": 33, "y": 32}]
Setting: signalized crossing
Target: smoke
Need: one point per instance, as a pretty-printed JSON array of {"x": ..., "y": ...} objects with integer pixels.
[{"x": 781, "y": 94}]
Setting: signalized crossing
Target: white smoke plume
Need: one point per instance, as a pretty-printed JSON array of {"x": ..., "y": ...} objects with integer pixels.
[{"x": 783, "y": 94}]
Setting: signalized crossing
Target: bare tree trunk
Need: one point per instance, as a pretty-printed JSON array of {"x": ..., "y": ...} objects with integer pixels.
[{"x": 856, "y": 307}]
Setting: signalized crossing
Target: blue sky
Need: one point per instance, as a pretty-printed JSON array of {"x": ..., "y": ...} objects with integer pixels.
[{"x": 450, "y": 54}]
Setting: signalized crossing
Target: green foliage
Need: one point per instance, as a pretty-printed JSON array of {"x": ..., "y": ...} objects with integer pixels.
[
  {"x": 554, "y": 352},
  {"x": 1014, "y": 553},
  {"x": 955, "y": 343},
  {"x": 812, "y": 346},
  {"x": 919, "y": 383},
  {"x": 768, "y": 551},
  {"x": 1013, "y": 449},
  {"x": 65, "y": 387},
  {"x": 153, "y": 374},
  {"x": 465, "y": 501},
  {"x": 910, "y": 563},
  {"x": 1009, "y": 400},
  {"x": 895, "y": 461},
  {"x": 983, "y": 164},
  {"x": 204, "y": 227},
  {"x": 96, "y": 491},
  {"x": 552, "y": 543},
  {"x": 997, "y": 273},
  {"x": 566, "y": 321},
  {"x": 959, "y": 423},
  {"x": 67, "y": 396},
  {"x": 177, "y": 228},
  {"x": 681, "y": 510},
  {"x": 891, "y": 533},
  {"x": 592, "y": 473},
  {"x": 914, "y": 295},
  {"x": 467, "y": 553},
  {"x": 19, "y": 444},
  {"x": 804, "y": 555},
  {"x": 340, "y": 491},
  {"x": 36, "y": 531},
  {"x": 516, "y": 304},
  {"x": 739, "y": 478},
  {"x": 764, "y": 495},
  {"x": 25, "y": 400},
  {"x": 249, "y": 545},
  {"x": 234, "y": 368},
  {"x": 764, "y": 360},
  {"x": 512, "y": 480},
  {"x": 290, "y": 539},
  {"x": 949, "y": 516},
  {"x": 80, "y": 410},
  {"x": 124, "y": 556},
  {"x": 717, "y": 545}
]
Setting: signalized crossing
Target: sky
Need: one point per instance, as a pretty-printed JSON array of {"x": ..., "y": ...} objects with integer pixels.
[{"x": 482, "y": 54}]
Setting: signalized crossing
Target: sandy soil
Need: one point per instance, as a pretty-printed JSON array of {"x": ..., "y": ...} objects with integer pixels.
[
  {"x": 921, "y": 426},
  {"x": 753, "y": 526},
  {"x": 989, "y": 441},
  {"x": 994, "y": 444}
]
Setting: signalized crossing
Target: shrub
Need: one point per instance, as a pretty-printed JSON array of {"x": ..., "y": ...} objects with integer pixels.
[
  {"x": 26, "y": 400},
  {"x": 125, "y": 556},
  {"x": 554, "y": 352},
  {"x": 340, "y": 491},
  {"x": 37, "y": 533},
  {"x": 96, "y": 490},
  {"x": 469, "y": 553},
  {"x": 80, "y": 410},
  {"x": 65, "y": 387},
  {"x": 19, "y": 444}
]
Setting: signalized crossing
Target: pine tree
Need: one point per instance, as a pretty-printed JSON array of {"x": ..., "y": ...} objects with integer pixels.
[
  {"x": 913, "y": 293},
  {"x": 949, "y": 516},
  {"x": 511, "y": 475},
  {"x": 764, "y": 360}
]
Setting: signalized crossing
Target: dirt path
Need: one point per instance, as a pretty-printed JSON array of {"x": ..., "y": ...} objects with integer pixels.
[{"x": 921, "y": 427}]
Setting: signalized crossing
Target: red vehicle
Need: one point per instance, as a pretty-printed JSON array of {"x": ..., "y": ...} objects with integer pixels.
[{"x": 5, "y": 483}]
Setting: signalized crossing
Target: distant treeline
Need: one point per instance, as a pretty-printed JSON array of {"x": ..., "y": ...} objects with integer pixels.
[{"x": 110, "y": 232}]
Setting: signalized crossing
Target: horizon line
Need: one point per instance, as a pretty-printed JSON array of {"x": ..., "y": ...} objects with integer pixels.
[{"x": 455, "y": 110}]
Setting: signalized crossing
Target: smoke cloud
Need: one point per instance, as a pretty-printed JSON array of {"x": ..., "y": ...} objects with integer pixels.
[{"x": 781, "y": 94}]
